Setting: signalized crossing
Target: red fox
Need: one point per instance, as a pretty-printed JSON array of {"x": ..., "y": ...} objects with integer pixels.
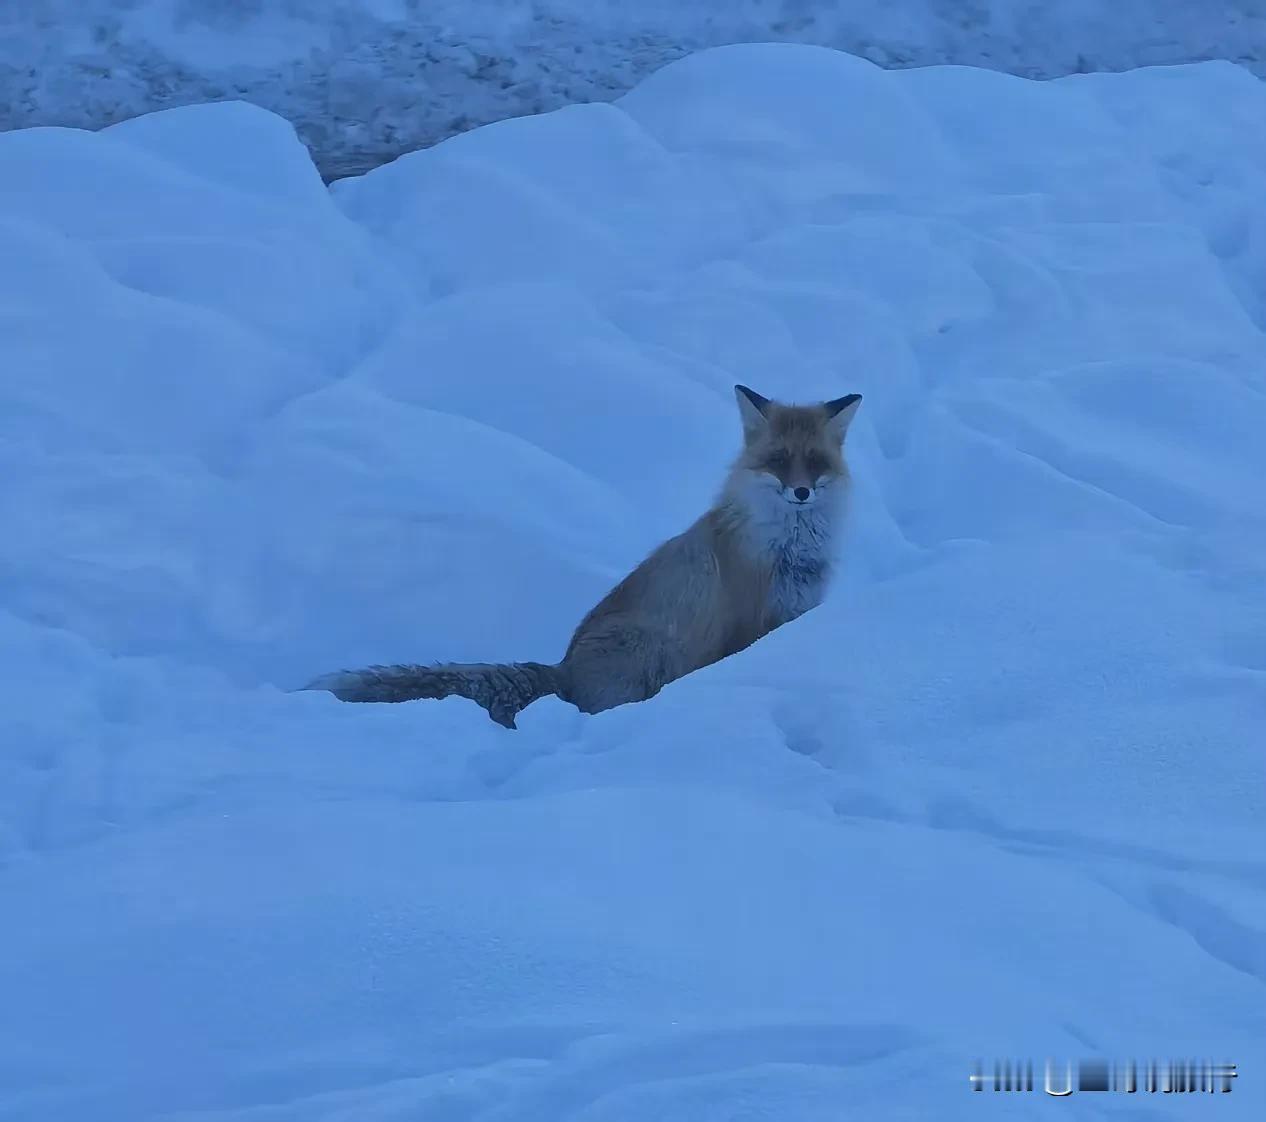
[{"x": 760, "y": 557}]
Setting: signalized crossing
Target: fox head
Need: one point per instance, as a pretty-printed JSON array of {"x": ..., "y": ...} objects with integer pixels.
[{"x": 792, "y": 454}]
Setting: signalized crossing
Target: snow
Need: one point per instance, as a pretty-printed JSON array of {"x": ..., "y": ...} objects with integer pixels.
[
  {"x": 1001, "y": 796},
  {"x": 365, "y": 80}
]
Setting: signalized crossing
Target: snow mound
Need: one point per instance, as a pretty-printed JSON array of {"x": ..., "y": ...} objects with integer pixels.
[{"x": 1000, "y": 797}]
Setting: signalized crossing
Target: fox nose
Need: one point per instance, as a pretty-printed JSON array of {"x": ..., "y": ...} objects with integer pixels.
[{"x": 801, "y": 494}]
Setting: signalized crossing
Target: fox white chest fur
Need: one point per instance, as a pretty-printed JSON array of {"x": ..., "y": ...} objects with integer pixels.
[{"x": 794, "y": 545}]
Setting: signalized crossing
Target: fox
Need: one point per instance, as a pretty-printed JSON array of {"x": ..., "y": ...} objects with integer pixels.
[{"x": 760, "y": 557}]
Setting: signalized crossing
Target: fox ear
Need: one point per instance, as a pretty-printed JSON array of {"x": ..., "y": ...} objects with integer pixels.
[
  {"x": 840, "y": 413},
  {"x": 751, "y": 408}
]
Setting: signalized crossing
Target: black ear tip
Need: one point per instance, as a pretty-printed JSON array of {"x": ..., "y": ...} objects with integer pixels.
[
  {"x": 841, "y": 403},
  {"x": 752, "y": 396}
]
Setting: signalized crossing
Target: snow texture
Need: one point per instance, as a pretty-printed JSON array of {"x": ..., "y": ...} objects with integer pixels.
[
  {"x": 1001, "y": 796},
  {"x": 365, "y": 80}
]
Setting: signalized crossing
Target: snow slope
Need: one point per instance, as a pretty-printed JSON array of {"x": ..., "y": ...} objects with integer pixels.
[
  {"x": 364, "y": 80},
  {"x": 1001, "y": 796}
]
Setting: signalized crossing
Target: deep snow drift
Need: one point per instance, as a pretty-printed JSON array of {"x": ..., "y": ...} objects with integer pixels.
[
  {"x": 1002, "y": 796},
  {"x": 364, "y": 80}
]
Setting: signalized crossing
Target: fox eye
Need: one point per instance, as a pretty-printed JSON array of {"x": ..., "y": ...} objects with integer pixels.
[
  {"x": 778, "y": 460},
  {"x": 815, "y": 462}
]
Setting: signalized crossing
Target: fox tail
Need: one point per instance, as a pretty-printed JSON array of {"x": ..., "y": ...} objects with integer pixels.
[{"x": 501, "y": 688}]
